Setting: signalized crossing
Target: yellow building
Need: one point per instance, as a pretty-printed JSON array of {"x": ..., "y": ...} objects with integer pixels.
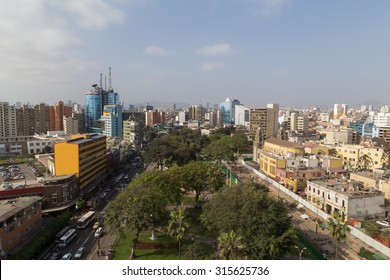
[
  {"x": 351, "y": 154},
  {"x": 84, "y": 155},
  {"x": 282, "y": 147},
  {"x": 269, "y": 163},
  {"x": 295, "y": 184}
]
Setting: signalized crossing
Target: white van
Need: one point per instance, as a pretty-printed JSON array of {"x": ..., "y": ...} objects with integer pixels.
[{"x": 98, "y": 232}]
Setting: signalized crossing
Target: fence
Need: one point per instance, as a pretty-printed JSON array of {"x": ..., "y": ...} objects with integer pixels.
[{"x": 357, "y": 233}]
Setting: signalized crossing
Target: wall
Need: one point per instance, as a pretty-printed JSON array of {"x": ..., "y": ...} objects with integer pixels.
[{"x": 365, "y": 238}]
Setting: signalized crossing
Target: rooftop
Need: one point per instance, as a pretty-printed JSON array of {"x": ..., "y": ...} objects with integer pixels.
[
  {"x": 283, "y": 143},
  {"x": 9, "y": 207}
]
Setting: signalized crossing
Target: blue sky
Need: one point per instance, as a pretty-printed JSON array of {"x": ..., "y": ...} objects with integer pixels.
[{"x": 291, "y": 52}]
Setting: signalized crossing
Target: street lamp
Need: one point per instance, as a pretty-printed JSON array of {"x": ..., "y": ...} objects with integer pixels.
[{"x": 300, "y": 251}]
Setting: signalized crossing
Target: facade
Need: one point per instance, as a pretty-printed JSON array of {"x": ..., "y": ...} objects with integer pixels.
[
  {"x": 266, "y": 119},
  {"x": 112, "y": 119},
  {"x": 349, "y": 198},
  {"x": 241, "y": 117},
  {"x": 60, "y": 191},
  {"x": 282, "y": 147},
  {"x": 7, "y": 120},
  {"x": 15, "y": 145},
  {"x": 25, "y": 121},
  {"x": 93, "y": 107},
  {"x": 41, "y": 118},
  {"x": 71, "y": 126},
  {"x": 228, "y": 110},
  {"x": 351, "y": 154},
  {"x": 56, "y": 115},
  {"x": 340, "y": 110},
  {"x": 133, "y": 132},
  {"x": 269, "y": 163},
  {"x": 339, "y": 136},
  {"x": 197, "y": 112},
  {"x": 154, "y": 118},
  {"x": 20, "y": 218},
  {"x": 384, "y": 133},
  {"x": 84, "y": 155},
  {"x": 37, "y": 146}
]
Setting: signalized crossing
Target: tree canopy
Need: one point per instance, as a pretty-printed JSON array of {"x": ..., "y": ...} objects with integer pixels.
[{"x": 262, "y": 222}]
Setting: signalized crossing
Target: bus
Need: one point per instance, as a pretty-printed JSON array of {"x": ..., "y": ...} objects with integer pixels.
[
  {"x": 67, "y": 238},
  {"x": 84, "y": 221},
  {"x": 61, "y": 233}
]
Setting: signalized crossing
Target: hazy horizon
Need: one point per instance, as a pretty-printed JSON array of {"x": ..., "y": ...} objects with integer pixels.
[{"x": 298, "y": 53}]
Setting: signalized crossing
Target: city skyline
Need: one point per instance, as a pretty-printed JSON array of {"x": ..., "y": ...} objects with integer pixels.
[{"x": 258, "y": 51}]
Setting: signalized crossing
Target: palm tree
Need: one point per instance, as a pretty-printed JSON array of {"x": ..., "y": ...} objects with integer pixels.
[
  {"x": 178, "y": 226},
  {"x": 230, "y": 246},
  {"x": 338, "y": 229}
]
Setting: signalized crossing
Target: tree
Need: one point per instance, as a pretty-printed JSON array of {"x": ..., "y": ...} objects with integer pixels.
[
  {"x": 178, "y": 226},
  {"x": 158, "y": 151},
  {"x": 364, "y": 163},
  {"x": 194, "y": 176},
  {"x": 195, "y": 251},
  {"x": 386, "y": 158},
  {"x": 239, "y": 142},
  {"x": 230, "y": 246},
  {"x": 333, "y": 152},
  {"x": 184, "y": 155},
  {"x": 371, "y": 228},
  {"x": 338, "y": 229},
  {"x": 135, "y": 209},
  {"x": 263, "y": 222}
]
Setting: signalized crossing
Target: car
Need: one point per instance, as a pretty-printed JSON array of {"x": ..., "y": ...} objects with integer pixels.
[
  {"x": 67, "y": 256},
  {"x": 80, "y": 252},
  {"x": 383, "y": 223},
  {"x": 55, "y": 256},
  {"x": 96, "y": 225},
  {"x": 98, "y": 232}
]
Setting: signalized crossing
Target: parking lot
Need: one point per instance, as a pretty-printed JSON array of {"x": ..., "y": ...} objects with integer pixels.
[{"x": 17, "y": 176}]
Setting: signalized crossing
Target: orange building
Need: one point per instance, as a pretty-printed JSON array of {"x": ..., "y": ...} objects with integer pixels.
[
  {"x": 56, "y": 115},
  {"x": 84, "y": 155}
]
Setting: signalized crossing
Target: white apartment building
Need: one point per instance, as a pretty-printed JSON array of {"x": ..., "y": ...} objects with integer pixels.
[
  {"x": 349, "y": 198},
  {"x": 7, "y": 120},
  {"x": 241, "y": 117},
  {"x": 380, "y": 119}
]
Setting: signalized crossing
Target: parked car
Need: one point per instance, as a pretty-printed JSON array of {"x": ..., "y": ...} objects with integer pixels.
[
  {"x": 67, "y": 256},
  {"x": 383, "y": 223},
  {"x": 80, "y": 252}
]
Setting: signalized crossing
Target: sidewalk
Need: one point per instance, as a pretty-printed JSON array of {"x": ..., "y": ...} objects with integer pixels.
[{"x": 106, "y": 242}]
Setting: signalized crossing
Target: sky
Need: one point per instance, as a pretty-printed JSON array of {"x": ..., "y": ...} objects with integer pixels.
[{"x": 291, "y": 52}]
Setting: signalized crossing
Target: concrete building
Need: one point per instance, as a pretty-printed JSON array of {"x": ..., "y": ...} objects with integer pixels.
[
  {"x": 20, "y": 218},
  {"x": 154, "y": 118},
  {"x": 112, "y": 120},
  {"x": 25, "y": 121},
  {"x": 7, "y": 120},
  {"x": 340, "y": 110},
  {"x": 282, "y": 147},
  {"x": 56, "y": 115},
  {"x": 133, "y": 132},
  {"x": 266, "y": 119},
  {"x": 336, "y": 136},
  {"x": 41, "y": 118},
  {"x": 71, "y": 125},
  {"x": 84, "y": 155},
  {"x": 351, "y": 154},
  {"x": 349, "y": 198},
  {"x": 384, "y": 133},
  {"x": 241, "y": 117}
]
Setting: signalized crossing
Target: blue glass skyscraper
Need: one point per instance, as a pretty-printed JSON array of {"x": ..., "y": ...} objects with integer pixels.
[
  {"x": 228, "y": 110},
  {"x": 93, "y": 107}
]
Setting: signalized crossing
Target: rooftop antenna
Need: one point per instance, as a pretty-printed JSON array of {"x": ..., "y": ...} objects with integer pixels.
[
  {"x": 109, "y": 79},
  {"x": 101, "y": 80},
  {"x": 105, "y": 82}
]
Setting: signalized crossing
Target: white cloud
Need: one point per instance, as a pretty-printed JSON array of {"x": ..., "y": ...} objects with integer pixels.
[
  {"x": 39, "y": 44},
  {"x": 157, "y": 51},
  {"x": 215, "y": 50},
  {"x": 265, "y": 8},
  {"x": 91, "y": 13},
  {"x": 211, "y": 66}
]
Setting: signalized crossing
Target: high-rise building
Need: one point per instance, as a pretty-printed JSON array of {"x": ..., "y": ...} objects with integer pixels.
[
  {"x": 41, "y": 118},
  {"x": 133, "y": 132},
  {"x": 112, "y": 119},
  {"x": 84, "y": 155},
  {"x": 7, "y": 120},
  {"x": 241, "y": 117},
  {"x": 25, "y": 120},
  {"x": 93, "y": 107},
  {"x": 70, "y": 126},
  {"x": 196, "y": 112},
  {"x": 266, "y": 119},
  {"x": 228, "y": 110},
  {"x": 154, "y": 117},
  {"x": 56, "y": 115},
  {"x": 340, "y": 110}
]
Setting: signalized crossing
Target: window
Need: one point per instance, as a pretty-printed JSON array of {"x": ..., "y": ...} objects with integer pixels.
[{"x": 328, "y": 195}]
